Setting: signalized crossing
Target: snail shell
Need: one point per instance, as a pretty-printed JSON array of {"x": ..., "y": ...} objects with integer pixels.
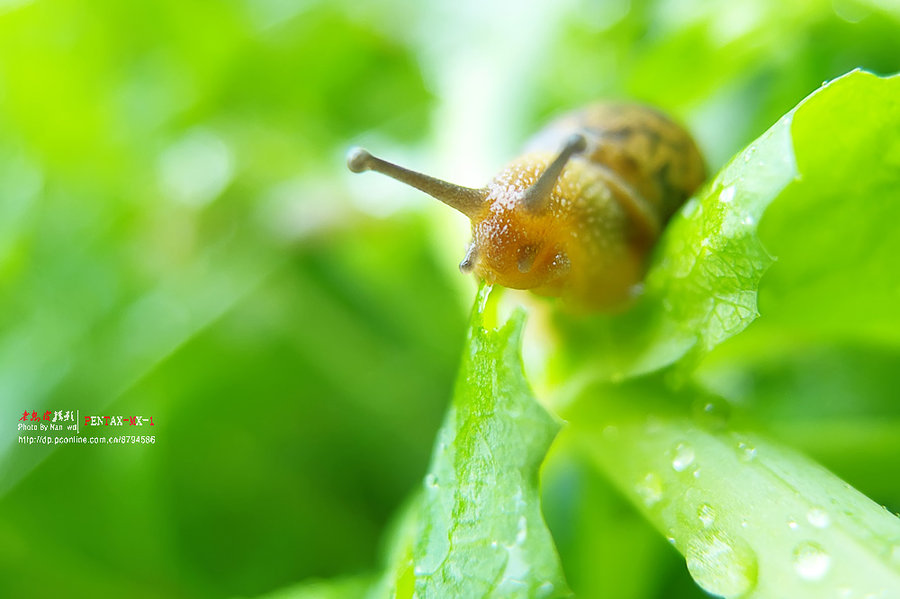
[{"x": 578, "y": 222}]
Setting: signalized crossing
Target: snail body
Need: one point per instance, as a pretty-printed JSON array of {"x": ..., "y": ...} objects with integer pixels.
[{"x": 579, "y": 222}]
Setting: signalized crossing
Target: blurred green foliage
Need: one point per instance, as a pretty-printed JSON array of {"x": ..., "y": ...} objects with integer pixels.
[{"x": 178, "y": 238}]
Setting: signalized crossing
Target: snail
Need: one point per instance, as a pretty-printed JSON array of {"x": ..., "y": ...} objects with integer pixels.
[{"x": 578, "y": 213}]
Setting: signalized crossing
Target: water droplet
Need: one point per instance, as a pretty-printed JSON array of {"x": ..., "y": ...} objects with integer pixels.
[
  {"x": 711, "y": 411},
  {"x": 818, "y": 517},
  {"x": 747, "y": 452},
  {"x": 650, "y": 489},
  {"x": 748, "y": 220},
  {"x": 684, "y": 456},
  {"x": 721, "y": 565},
  {"x": 704, "y": 242},
  {"x": 696, "y": 473},
  {"x": 690, "y": 208},
  {"x": 517, "y": 567},
  {"x": 743, "y": 524},
  {"x": 727, "y": 194},
  {"x": 431, "y": 480},
  {"x": 523, "y": 530},
  {"x": 811, "y": 562},
  {"x": 706, "y": 514},
  {"x": 792, "y": 525}
]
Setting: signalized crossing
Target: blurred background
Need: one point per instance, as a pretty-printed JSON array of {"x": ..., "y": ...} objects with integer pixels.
[{"x": 179, "y": 238}]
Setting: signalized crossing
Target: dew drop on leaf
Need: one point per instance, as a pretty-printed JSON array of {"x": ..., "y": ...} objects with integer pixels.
[
  {"x": 516, "y": 564},
  {"x": 649, "y": 489},
  {"x": 711, "y": 412},
  {"x": 818, "y": 517},
  {"x": 811, "y": 562},
  {"x": 748, "y": 153},
  {"x": 684, "y": 457},
  {"x": 522, "y": 532},
  {"x": 720, "y": 564},
  {"x": 691, "y": 207},
  {"x": 706, "y": 514},
  {"x": 746, "y": 451},
  {"x": 727, "y": 194}
]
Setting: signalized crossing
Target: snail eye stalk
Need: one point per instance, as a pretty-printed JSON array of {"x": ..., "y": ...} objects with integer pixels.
[
  {"x": 536, "y": 196},
  {"x": 467, "y": 200}
]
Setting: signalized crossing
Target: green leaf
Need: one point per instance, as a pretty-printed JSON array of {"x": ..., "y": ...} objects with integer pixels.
[
  {"x": 481, "y": 532},
  {"x": 752, "y": 518},
  {"x": 803, "y": 221},
  {"x": 828, "y": 169}
]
